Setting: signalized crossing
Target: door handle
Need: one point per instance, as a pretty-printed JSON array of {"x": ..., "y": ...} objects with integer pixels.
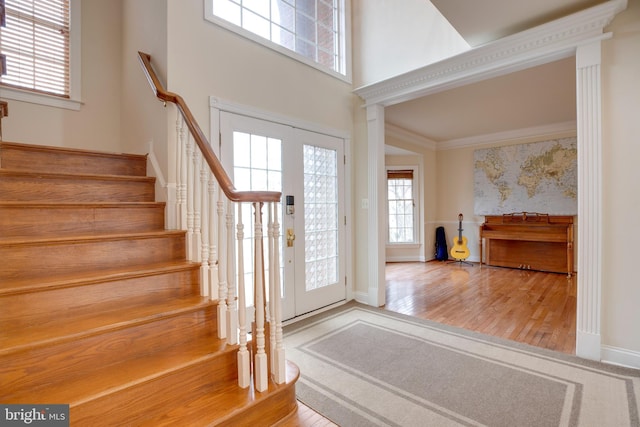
[{"x": 290, "y": 237}]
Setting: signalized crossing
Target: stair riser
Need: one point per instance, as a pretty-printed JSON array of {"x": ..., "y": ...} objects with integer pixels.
[
  {"x": 143, "y": 401},
  {"x": 39, "y": 368},
  {"x": 59, "y": 160},
  {"x": 59, "y": 189},
  {"x": 49, "y": 259},
  {"x": 26, "y": 308},
  {"x": 22, "y": 221}
]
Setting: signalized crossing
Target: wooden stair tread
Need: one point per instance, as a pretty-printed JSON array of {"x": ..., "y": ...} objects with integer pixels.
[
  {"x": 11, "y": 287},
  {"x": 77, "y": 176},
  {"x": 52, "y": 240},
  {"x": 109, "y": 379},
  {"x": 87, "y": 321},
  {"x": 69, "y": 150},
  {"x": 221, "y": 408},
  {"x": 45, "y": 204}
]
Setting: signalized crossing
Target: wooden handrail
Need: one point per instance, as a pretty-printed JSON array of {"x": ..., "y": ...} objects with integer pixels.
[{"x": 212, "y": 160}]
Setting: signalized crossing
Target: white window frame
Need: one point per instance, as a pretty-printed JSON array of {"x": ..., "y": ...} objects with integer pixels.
[
  {"x": 74, "y": 101},
  {"x": 345, "y": 44},
  {"x": 417, "y": 240}
]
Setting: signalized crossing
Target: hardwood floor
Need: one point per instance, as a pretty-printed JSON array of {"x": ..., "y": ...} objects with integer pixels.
[{"x": 531, "y": 307}]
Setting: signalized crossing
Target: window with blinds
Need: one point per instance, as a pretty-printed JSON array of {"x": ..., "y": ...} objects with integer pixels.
[
  {"x": 35, "y": 44},
  {"x": 401, "y": 206}
]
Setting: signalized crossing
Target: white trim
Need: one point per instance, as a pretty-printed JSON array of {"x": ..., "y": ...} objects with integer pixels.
[
  {"x": 347, "y": 77},
  {"x": 218, "y": 104},
  {"x": 510, "y": 135},
  {"x": 396, "y": 131},
  {"x": 406, "y": 259},
  {"x": 620, "y": 357},
  {"x": 543, "y": 44}
]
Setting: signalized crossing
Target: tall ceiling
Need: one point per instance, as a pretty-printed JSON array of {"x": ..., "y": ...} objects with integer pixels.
[{"x": 533, "y": 98}]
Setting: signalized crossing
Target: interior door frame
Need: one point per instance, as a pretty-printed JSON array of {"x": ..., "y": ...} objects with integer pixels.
[{"x": 218, "y": 105}]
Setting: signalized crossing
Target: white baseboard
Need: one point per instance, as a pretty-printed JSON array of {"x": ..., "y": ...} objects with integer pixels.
[
  {"x": 620, "y": 357},
  {"x": 406, "y": 259},
  {"x": 361, "y": 297}
]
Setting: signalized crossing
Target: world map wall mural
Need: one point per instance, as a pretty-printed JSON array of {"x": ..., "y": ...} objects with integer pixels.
[{"x": 539, "y": 177}]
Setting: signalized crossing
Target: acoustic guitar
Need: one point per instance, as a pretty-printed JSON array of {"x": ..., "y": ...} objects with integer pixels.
[{"x": 460, "y": 250}]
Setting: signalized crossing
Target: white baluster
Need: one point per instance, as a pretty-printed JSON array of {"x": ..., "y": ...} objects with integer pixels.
[
  {"x": 190, "y": 197},
  {"x": 232, "y": 304},
  {"x": 213, "y": 246},
  {"x": 222, "y": 270},
  {"x": 244, "y": 373},
  {"x": 279, "y": 371},
  {"x": 272, "y": 290},
  {"x": 260, "y": 364},
  {"x": 197, "y": 207},
  {"x": 181, "y": 187},
  {"x": 204, "y": 267}
]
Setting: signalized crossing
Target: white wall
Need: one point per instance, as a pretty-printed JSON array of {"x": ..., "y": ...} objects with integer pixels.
[
  {"x": 97, "y": 124},
  {"x": 392, "y": 38},
  {"x": 621, "y": 197}
]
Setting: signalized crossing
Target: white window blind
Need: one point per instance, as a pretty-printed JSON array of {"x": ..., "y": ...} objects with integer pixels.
[{"x": 35, "y": 42}]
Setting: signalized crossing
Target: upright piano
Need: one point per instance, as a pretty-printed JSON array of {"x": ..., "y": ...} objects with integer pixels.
[{"x": 526, "y": 240}]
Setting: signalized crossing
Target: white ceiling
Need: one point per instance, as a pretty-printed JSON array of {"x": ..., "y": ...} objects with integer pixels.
[{"x": 537, "y": 97}]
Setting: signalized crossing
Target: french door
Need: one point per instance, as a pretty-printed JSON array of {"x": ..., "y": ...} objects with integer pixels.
[{"x": 308, "y": 168}]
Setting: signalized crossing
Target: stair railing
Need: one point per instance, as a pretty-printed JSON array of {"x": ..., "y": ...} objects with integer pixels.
[{"x": 206, "y": 201}]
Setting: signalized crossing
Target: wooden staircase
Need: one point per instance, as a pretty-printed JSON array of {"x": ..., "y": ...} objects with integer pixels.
[{"x": 99, "y": 308}]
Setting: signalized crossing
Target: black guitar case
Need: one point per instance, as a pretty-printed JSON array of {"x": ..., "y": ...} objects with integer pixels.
[{"x": 442, "y": 254}]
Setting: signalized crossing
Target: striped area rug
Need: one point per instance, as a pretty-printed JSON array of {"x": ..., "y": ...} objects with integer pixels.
[{"x": 362, "y": 366}]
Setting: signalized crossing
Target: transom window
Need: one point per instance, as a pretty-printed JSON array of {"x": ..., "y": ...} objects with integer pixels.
[
  {"x": 401, "y": 206},
  {"x": 34, "y": 44},
  {"x": 310, "y": 30}
]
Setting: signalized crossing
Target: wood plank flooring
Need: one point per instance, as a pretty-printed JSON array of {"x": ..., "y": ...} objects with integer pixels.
[{"x": 531, "y": 307}]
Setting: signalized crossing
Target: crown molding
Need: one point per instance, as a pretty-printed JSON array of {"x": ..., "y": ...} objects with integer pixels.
[
  {"x": 539, "y": 45},
  {"x": 516, "y": 135},
  {"x": 403, "y": 134}
]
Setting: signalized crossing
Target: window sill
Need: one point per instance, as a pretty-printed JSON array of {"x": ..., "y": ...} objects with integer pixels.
[{"x": 39, "y": 98}]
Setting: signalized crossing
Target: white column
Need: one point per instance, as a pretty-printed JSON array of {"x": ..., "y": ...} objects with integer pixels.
[
  {"x": 588, "y": 91},
  {"x": 376, "y": 201}
]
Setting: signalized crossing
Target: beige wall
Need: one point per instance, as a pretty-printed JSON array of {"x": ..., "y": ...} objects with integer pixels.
[
  {"x": 206, "y": 60},
  {"x": 97, "y": 125},
  {"x": 621, "y": 197},
  {"x": 147, "y": 125}
]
